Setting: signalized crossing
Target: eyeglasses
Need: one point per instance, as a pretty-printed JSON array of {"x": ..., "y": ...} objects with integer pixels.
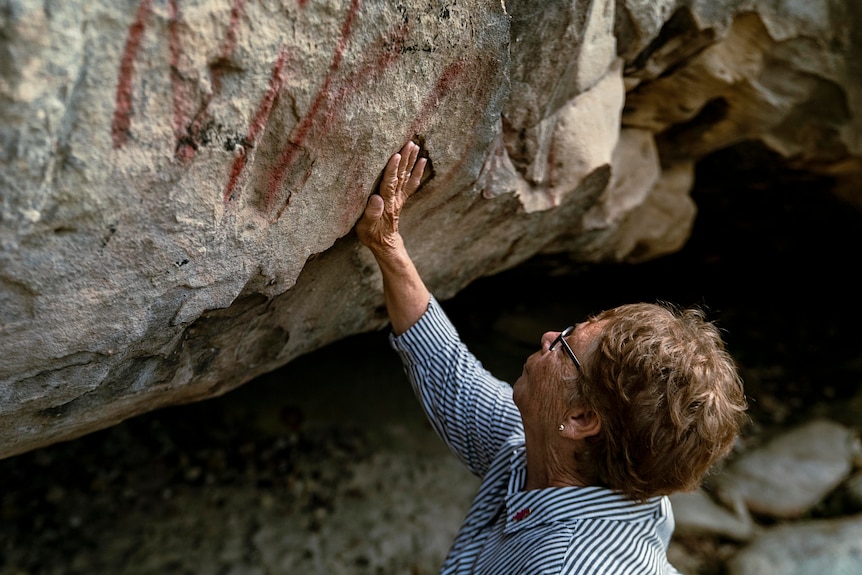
[{"x": 562, "y": 339}]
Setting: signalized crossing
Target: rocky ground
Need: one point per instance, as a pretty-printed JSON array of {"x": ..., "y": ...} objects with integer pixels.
[{"x": 327, "y": 466}]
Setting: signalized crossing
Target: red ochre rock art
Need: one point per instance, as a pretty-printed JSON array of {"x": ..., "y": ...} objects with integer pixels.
[
  {"x": 258, "y": 125},
  {"x": 180, "y": 179},
  {"x": 123, "y": 108},
  {"x": 190, "y": 111}
]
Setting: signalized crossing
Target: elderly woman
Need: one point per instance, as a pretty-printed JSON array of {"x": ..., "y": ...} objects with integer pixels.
[{"x": 577, "y": 458}]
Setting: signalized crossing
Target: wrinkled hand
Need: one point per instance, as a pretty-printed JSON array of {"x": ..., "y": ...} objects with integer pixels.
[{"x": 378, "y": 227}]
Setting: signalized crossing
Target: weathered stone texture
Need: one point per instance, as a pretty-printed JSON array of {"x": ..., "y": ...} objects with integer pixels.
[{"x": 180, "y": 177}]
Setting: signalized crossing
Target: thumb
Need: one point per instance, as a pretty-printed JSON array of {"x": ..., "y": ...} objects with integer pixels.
[{"x": 374, "y": 209}]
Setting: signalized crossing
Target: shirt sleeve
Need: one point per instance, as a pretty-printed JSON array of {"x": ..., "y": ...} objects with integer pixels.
[{"x": 471, "y": 410}]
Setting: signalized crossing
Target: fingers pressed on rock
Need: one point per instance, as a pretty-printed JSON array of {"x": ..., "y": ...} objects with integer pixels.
[
  {"x": 416, "y": 176},
  {"x": 402, "y": 165},
  {"x": 402, "y": 176},
  {"x": 411, "y": 151},
  {"x": 389, "y": 183}
]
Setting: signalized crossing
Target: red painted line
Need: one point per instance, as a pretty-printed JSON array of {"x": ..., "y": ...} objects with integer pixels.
[
  {"x": 288, "y": 155},
  {"x": 345, "y": 34},
  {"x": 180, "y": 91},
  {"x": 216, "y": 68},
  {"x": 368, "y": 72},
  {"x": 445, "y": 83},
  {"x": 236, "y": 13},
  {"x": 188, "y": 129},
  {"x": 259, "y": 122},
  {"x": 387, "y": 50},
  {"x": 365, "y": 74},
  {"x": 479, "y": 93},
  {"x": 283, "y": 207},
  {"x": 123, "y": 106}
]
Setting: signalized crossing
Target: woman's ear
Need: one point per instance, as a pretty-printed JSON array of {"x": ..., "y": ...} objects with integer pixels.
[{"x": 580, "y": 423}]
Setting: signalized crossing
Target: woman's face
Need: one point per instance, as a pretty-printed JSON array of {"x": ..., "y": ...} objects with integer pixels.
[{"x": 540, "y": 393}]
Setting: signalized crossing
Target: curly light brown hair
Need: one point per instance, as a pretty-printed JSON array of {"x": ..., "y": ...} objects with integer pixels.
[{"x": 669, "y": 397}]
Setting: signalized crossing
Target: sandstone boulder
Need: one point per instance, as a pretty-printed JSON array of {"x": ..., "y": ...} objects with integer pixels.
[{"x": 180, "y": 179}]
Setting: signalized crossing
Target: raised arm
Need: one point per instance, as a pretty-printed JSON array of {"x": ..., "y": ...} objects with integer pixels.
[
  {"x": 469, "y": 409},
  {"x": 403, "y": 290}
]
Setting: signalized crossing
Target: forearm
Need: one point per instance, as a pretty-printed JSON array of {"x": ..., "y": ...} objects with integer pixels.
[{"x": 404, "y": 292}]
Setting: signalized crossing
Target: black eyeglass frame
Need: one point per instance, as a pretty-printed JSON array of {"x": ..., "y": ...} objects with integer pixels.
[{"x": 562, "y": 339}]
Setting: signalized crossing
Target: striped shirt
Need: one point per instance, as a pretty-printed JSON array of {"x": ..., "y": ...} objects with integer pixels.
[{"x": 572, "y": 530}]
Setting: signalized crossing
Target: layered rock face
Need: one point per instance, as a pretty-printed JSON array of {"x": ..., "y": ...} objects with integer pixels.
[{"x": 180, "y": 177}]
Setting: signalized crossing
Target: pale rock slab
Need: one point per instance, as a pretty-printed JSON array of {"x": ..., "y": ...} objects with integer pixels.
[
  {"x": 824, "y": 546},
  {"x": 750, "y": 71},
  {"x": 698, "y": 514},
  {"x": 854, "y": 489},
  {"x": 577, "y": 140},
  {"x": 791, "y": 473}
]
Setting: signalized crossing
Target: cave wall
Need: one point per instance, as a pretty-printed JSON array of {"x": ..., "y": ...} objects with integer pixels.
[{"x": 180, "y": 178}]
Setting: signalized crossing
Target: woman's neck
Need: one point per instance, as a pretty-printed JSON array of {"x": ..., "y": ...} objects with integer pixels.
[{"x": 555, "y": 462}]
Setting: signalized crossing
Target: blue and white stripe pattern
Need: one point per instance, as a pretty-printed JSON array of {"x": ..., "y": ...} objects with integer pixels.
[{"x": 571, "y": 530}]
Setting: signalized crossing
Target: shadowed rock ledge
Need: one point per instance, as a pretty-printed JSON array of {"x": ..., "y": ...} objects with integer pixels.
[{"x": 180, "y": 178}]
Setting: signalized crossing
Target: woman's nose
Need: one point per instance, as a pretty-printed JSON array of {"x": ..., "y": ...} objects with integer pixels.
[{"x": 548, "y": 338}]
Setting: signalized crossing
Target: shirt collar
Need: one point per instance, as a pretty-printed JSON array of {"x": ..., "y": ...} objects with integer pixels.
[{"x": 567, "y": 504}]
